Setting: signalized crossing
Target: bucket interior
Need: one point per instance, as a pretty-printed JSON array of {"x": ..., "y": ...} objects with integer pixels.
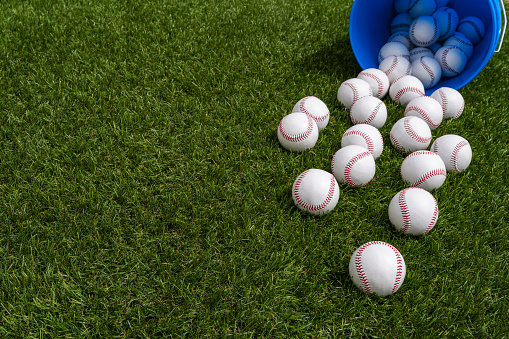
[{"x": 369, "y": 30}]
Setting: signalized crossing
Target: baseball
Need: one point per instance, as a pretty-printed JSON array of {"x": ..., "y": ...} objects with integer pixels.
[
  {"x": 424, "y": 169},
  {"x": 377, "y": 267},
  {"x": 369, "y": 110},
  {"x": 426, "y": 108},
  {"x": 377, "y": 80},
  {"x": 395, "y": 67},
  {"x": 418, "y": 52},
  {"x": 406, "y": 88},
  {"x": 297, "y": 132},
  {"x": 461, "y": 41},
  {"x": 473, "y": 28},
  {"x": 417, "y": 8},
  {"x": 366, "y": 136},
  {"x": 452, "y": 60},
  {"x": 352, "y": 90},
  {"x": 448, "y": 20},
  {"x": 428, "y": 70},
  {"x": 315, "y": 108},
  {"x": 315, "y": 191},
  {"x": 410, "y": 134},
  {"x": 353, "y": 165},
  {"x": 404, "y": 38},
  {"x": 424, "y": 31},
  {"x": 413, "y": 211},
  {"x": 454, "y": 150},
  {"x": 401, "y": 23},
  {"x": 393, "y": 48},
  {"x": 401, "y": 6},
  {"x": 451, "y": 100}
]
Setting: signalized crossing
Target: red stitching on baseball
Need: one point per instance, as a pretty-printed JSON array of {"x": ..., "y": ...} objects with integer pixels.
[
  {"x": 443, "y": 96},
  {"x": 393, "y": 65},
  {"x": 396, "y": 143},
  {"x": 310, "y": 207},
  {"x": 354, "y": 90},
  {"x": 429, "y": 175},
  {"x": 360, "y": 269},
  {"x": 427, "y": 69},
  {"x": 413, "y": 134},
  {"x": 433, "y": 218},
  {"x": 370, "y": 118},
  {"x": 460, "y": 111},
  {"x": 454, "y": 157},
  {"x": 365, "y": 136},
  {"x": 405, "y": 90},
  {"x": 435, "y": 32},
  {"x": 298, "y": 137},
  {"x": 423, "y": 113},
  {"x": 444, "y": 60},
  {"x": 377, "y": 79},
  {"x": 304, "y": 110},
  {"x": 405, "y": 213},
  {"x": 349, "y": 165},
  {"x": 399, "y": 272}
]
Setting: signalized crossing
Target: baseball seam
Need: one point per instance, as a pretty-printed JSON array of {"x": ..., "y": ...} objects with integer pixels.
[
  {"x": 303, "y": 109},
  {"x": 430, "y": 72},
  {"x": 378, "y": 81},
  {"x": 370, "y": 118},
  {"x": 396, "y": 143},
  {"x": 428, "y": 175},
  {"x": 311, "y": 207},
  {"x": 433, "y": 218},
  {"x": 349, "y": 165},
  {"x": 405, "y": 213},
  {"x": 444, "y": 60},
  {"x": 404, "y": 90},
  {"x": 413, "y": 134},
  {"x": 455, "y": 152},
  {"x": 474, "y": 26},
  {"x": 365, "y": 136},
  {"x": 443, "y": 96},
  {"x": 355, "y": 93},
  {"x": 298, "y": 137},
  {"x": 424, "y": 115},
  {"x": 429, "y": 42}
]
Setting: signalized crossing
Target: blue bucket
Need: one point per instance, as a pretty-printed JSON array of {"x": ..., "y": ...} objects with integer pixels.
[{"x": 369, "y": 30}]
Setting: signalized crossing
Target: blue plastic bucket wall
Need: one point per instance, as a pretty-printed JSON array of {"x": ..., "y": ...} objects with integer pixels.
[{"x": 369, "y": 30}]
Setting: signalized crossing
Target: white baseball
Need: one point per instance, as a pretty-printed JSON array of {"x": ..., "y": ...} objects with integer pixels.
[
  {"x": 418, "y": 8},
  {"x": 377, "y": 80},
  {"x": 353, "y": 165},
  {"x": 454, "y": 150},
  {"x": 395, "y": 67},
  {"x": 461, "y": 41},
  {"x": 473, "y": 28},
  {"x": 452, "y": 59},
  {"x": 426, "y": 108},
  {"x": 297, "y": 132},
  {"x": 451, "y": 100},
  {"x": 414, "y": 211},
  {"x": 403, "y": 38},
  {"x": 448, "y": 20},
  {"x": 393, "y": 48},
  {"x": 423, "y": 169},
  {"x": 428, "y": 70},
  {"x": 418, "y": 52},
  {"x": 424, "y": 31},
  {"x": 410, "y": 134},
  {"x": 377, "y": 267},
  {"x": 315, "y": 191},
  {"x": 366, "y": 136},
  {"x": 315, "y": 108},
  {"x": 369, "y": 110},
  {"x": 401, "y": 23},
  {"x": 352, "y": 90},
  {"x": 406, "y": 88}
]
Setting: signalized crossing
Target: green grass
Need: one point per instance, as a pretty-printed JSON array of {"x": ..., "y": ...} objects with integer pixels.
[{"x": 143, "y": 191}]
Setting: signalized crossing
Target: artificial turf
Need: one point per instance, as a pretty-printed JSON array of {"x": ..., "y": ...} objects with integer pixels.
[{"x": 143, "y": 191}]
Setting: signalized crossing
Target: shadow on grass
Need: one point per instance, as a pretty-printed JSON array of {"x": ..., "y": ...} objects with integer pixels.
[{"x": 336, "y": 59}]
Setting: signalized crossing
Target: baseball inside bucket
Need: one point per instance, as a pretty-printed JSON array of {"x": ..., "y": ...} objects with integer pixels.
[{"x": 369, "y": 30}]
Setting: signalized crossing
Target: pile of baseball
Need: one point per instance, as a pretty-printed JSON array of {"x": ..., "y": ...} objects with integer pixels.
[
  {"x": 378, "y": 267},
  {"x": 429, "y": 41}
]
